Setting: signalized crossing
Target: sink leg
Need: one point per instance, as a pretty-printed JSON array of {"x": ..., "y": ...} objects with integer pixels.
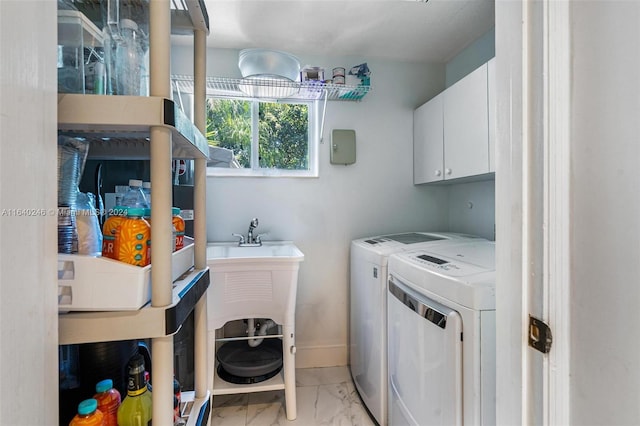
[{"x": 289, "y": 366}]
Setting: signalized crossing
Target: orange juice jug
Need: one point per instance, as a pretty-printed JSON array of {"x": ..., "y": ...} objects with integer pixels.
[
  {"x": 133, "y": 238},
  {"x": 178, "y": 224},
  {"x": 88, "y": 414},
  {"x": 109, "y": 231},
  {"x": 174, "y": 232},
  {"x": 147, "y": 217}
]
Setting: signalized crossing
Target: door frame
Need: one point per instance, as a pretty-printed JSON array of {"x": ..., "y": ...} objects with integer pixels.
[
  {"x": 557, "y": 185},
  {"x": 532, "y": 208}
]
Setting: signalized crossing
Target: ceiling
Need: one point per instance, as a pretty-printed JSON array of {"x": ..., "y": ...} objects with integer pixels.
[{"x": 414, "y": 31}]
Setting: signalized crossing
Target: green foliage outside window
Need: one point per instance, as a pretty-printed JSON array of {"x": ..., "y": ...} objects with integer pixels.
[
  {"x": 229, "y": 126},
  {"x": 283, "y": 132}
]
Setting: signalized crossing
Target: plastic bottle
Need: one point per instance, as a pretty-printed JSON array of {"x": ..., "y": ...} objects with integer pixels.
[
  {"x": 177, "y": 390},
  {"x": 146, "y": 190},
  {"x": 108, "y": 401},
  {"x": 147, "y": 217},
  {"x": 147, "y": 379},
  {"x": 178, "y": 224},
  {"x": 135, "y": 409},
  {"x": 88, "y": 414},
  {"x": 173, "y": 229},
  {"x": 176, "y": 411},
  {"x": 134, "y": 197},
  {"x": 177, "y": 400},
  {"x": 133, "y": 238},
  {"x": 99, "y": 78},
  {"x": 109, "y": 232},
  {"x": 129, "y": 56}
]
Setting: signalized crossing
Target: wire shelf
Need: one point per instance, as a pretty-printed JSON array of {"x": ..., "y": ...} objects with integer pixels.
[{"x": 252, "y": 88}]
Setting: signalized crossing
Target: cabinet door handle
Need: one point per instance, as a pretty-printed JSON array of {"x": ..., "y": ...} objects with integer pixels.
[
  {"x": 447, "y": 171},
  {"x": 438, "y": 173}
]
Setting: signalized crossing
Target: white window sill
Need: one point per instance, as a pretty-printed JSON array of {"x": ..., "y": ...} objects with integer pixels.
[{"x": 226, "y": 172}]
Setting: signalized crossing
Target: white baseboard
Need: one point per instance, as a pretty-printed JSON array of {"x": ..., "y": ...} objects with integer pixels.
[{"x": 321, "y": 356}]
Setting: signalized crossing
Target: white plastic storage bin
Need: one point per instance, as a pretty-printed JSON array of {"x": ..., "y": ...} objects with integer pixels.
[{"x": 94, "y": 283}]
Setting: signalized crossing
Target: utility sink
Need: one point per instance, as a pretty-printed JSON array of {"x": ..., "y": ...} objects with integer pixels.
[
  {"x": 252, "y": 282},
  {"x": 280, "y": 251}
]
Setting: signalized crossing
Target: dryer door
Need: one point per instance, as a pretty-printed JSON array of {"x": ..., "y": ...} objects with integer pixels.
[{"x": 425, "y": 359}]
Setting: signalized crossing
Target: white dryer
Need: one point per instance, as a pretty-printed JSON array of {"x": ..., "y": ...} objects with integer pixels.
[
  {"x": 441, "y": 331},
  {"x": 368, "y": 313}
]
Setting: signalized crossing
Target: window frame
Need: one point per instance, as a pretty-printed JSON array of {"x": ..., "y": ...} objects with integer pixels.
[{"x": 313, "y": 141}]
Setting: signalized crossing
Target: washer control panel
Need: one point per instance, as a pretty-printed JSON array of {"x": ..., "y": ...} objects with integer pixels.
[
  {"x": 407, "y": 238},
  {"x": 432, "y": 259},
  {"x": 374, "y": 241},
  {"x": 447, "y": 266}
]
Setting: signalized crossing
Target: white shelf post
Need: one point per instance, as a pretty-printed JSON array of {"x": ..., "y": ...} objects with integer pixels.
[
  {"x": 199, "y": 207},
  {"x": 161, "y": 156}
]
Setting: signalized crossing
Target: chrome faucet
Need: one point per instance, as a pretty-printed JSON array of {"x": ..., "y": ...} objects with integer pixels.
[
  {"x": 253, "y": 225},
  {"x": 251, "y": 241}
]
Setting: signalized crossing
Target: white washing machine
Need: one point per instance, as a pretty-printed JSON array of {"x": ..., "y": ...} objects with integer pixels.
[
  {"x": 368, "y": 313},
  {"x": 441, "y": 325}
]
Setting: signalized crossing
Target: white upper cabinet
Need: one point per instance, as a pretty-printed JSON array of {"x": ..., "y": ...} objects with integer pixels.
[
  {"x": 428, "y": 148},
  {"x": 453, "y": 134},
  {"x": 466, "y": 126}
]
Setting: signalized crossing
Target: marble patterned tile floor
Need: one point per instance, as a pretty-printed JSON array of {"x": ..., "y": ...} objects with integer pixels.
[{"x": 325, "y": 396}]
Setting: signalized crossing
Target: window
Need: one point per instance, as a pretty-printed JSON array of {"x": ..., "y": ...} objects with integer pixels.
[{"x": 261, "y": 138}]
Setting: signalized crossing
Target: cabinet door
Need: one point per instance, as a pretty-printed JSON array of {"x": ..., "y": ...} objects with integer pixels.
[
  {"x": 428, "y": 142},
  {"x": 466, "y": 129},
  {"x": 491, "y": 93}
]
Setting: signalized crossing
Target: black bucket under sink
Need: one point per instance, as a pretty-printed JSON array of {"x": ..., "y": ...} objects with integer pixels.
[{"x": 240, "y": 363}]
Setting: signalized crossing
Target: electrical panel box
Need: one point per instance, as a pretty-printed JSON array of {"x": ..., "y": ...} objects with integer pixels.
[{"x": 343, "y": 146}]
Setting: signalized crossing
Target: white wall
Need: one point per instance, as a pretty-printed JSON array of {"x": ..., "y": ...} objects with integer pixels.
[
  {"x": 374, "y": 195},
  {"x": 471, "y": 57},
  {"x": 605, "y": 314},
  {"x": 471, "y": 208},
  {"x": 28, "y": 306}
]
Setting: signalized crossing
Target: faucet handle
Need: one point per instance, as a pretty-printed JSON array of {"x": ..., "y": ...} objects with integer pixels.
[
  {"x": 241, "y": 241},
  {"x": 259, "y": 237}
]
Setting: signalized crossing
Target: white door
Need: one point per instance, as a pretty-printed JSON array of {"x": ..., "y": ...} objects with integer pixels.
[
  {"x": 533, "y": 169},
  {"x": 28, "y": 223},
  {"x": 428, "y": 149}
]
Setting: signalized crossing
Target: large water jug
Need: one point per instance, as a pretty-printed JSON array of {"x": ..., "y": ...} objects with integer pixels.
[{"x": 129, "y": 56}]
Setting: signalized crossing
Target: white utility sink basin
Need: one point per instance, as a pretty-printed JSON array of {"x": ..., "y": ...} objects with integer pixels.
[
  {"x": 271, "y": 250},
  {"x": 252, "y": 282}
]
